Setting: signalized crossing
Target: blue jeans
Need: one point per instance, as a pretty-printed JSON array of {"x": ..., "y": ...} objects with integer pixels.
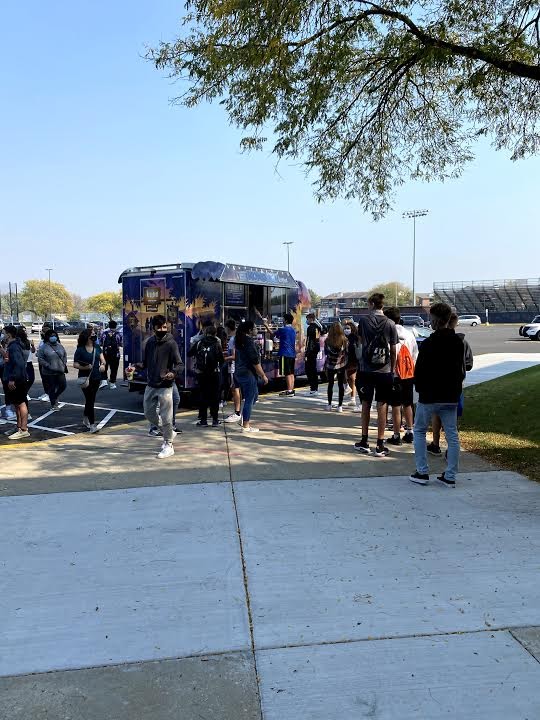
[
  {"x": 250, "y": 392},
  {"x": 448, "y": 414}
]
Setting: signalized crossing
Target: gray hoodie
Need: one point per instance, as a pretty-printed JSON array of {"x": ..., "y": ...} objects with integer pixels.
[{"x": 52, "y": 359}]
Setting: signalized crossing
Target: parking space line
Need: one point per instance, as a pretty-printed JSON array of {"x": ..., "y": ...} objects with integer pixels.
[
  {"x": 50, "y": 429},
  {"x": 42, "y": 417},
  {"x": 106, "y": 419},
  {"x": 99, "y": 407}
]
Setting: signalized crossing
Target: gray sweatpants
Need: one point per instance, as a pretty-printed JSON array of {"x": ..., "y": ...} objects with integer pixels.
[{"x": 163, "y": 396}]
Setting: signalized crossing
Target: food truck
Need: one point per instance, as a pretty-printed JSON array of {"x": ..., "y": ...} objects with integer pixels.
[{"x": 191, "y": 294}]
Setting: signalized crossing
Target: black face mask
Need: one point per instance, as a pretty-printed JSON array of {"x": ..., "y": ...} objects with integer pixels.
[{"x": 160, "y": 334}]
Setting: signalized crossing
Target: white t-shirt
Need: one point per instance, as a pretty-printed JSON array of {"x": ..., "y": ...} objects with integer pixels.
[
  {"x": 407, "y": 337},
  {"x": 230, "y": 351}
]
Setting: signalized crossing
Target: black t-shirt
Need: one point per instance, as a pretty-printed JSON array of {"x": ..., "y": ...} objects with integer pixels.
[{"x": 312, "y": 339}]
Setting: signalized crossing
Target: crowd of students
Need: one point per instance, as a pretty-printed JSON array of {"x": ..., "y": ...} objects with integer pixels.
[{"x": 377, "y": 360}]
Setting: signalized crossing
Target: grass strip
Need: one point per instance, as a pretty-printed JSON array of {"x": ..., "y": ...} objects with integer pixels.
[{"x": 501, "y": 421}]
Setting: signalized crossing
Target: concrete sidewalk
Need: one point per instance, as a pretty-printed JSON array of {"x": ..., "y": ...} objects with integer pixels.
[{"x": 274, "y": 576}]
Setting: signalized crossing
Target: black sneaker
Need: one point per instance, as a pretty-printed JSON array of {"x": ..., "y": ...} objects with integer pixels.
[
  {"x": 287, "y": 393},
  {"x": 394, "y": 440},
  {"x": 362, "y": 446},
  {"x": 176, "y": 430},
  {"x": 446, "y": 481},
  {"x": 408, "y": 437},
  {"x": 419, "y": 478},
  {"x": 216, "y": 423},
  {"x": 201, "y": 423},
  {"x": 434, "y": 449},
  {"x": 155, "y": 432},
  {"x": 381, "y": 451}
]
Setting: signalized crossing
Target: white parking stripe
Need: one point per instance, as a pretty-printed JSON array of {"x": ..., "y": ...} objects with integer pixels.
[
  {"x": 50, "y": 429},
  {"x": 106, "y": 419},
  {"x": 42, "y": 417}
]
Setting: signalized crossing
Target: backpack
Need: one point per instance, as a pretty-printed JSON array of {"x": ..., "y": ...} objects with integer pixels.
[
  {"x": 404, "y": 363},
  {"x": 110, "y": 345},
  {"x": 207, "y": 357},
  {"x": 377, "y": 352}
]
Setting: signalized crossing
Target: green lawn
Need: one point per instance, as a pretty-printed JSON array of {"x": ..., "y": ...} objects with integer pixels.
[{"x": 501, "y": 421}]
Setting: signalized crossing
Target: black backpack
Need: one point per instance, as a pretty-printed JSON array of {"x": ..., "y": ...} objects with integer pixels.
[
  {"x": 377, "y": 352},
  {"x": 110, "y": 345},
  {"x": 207, "y": 356}
]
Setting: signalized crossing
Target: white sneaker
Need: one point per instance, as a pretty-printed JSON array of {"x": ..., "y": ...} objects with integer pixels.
[
  {"x": 86, "y": 422},
  {"x": 112, "y": 386},
  {"x": 103, "y": 383},
  {"x": 357, "y": 409},
  {"x": 19, "y": 434},
  {"x": 340, "y": 408},
  {"x": 94, "y": 428},
  {"x": 250, "y": 429},
  {"x": 221, "y": 405},
  {"x": 29, "y": 418},
  {"x": 166, "y": 451},
  {"x": 313, "y": 392},
  {"x": 329, "y": 408},
  {"x": 233, "y": 418},
  {"x": 44, "y": 397}
]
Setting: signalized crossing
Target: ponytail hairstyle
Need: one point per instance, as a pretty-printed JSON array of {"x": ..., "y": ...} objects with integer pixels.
[{"x": 243, "y": 331}]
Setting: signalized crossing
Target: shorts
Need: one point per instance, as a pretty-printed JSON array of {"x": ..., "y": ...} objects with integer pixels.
[
  {"x": 233, "y": 381},
  {"x": 402, "y": 393},
  {"x": 286, "y": 365},
  {"x": 374, "y": 383},
  {"x": 17, "y": 396}
]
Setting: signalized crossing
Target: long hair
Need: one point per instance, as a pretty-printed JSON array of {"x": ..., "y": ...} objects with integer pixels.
[
  {"x": 336, "y": 337},
  {"x": 84, "y": 336},
  {"x": 354, "y": 330},
  {"x": 243, "y": 331},
  {"x": 23, "y": 337}
]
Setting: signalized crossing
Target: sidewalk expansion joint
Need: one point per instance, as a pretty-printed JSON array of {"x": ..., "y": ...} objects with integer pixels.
[
  {"x": 411, "y": 636},
  {"x": 245, "y": 576},
  {"x": 518, "y": 640}
]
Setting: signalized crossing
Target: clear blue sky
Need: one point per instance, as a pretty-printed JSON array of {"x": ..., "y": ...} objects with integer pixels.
[{"x": 99, "y": 172}]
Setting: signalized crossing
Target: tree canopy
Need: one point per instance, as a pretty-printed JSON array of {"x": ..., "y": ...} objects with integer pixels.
[
  {"x": 314, "y": 297},
  {"x": 395, "y": 293},
  {"x": 40, "y": 298},
  {"x": 367, "y": 94},
  {"x": 106, "y": 303}
]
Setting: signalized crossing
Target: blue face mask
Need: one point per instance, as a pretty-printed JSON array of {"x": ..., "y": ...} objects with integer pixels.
[{"x": 53, "y": 339}]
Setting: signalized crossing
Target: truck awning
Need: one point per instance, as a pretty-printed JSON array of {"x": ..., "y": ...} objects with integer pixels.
[{"x": 244, "y": 274}]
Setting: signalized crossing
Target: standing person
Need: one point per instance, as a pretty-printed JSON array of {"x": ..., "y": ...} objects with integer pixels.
[
  {"x": 8, "y": 411},
  {"x": 46, "y": 326},
  {"x": 336, "y": 349},
  {"x": 208, "y": 361},
  {"x": 376, "y": 366},
  {"x": 230, "y": 325},
  {"x": 162, "y": 362},
  {"x": 52, "y": 359},
  {"x": 30, "y": 348},
  {"x": 351, "y": 333},
  {"x": 287, "y": 350},
  {"x": 90, "y": 363},
  {"x": 248, "y": 369},
  {"x": 111, "y": 342},
  {"x": 313, "y": 347},
  {"x": 438, "y": 378},
  {"x": 434, "y": 447},
  {"x": 403, "y": 389},
  {"x": 224, "y": 388},
  {"x": 14, "y": 380}
]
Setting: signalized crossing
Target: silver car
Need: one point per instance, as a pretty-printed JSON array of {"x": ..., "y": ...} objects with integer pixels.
[{"x": 471, "y": 320}]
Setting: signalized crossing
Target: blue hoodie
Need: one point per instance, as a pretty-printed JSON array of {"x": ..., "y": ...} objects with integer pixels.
[{"x": 15, "y": 365}]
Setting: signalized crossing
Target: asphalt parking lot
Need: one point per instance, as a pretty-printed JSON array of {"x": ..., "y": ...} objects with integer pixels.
[{"x": 120, "y": 407}]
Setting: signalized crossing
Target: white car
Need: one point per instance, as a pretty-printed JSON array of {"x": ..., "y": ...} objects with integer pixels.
[
  {"x": 532, "y": 329},
  {"x": 471, "y": 320},
  {"x": 37, "y": 327}
]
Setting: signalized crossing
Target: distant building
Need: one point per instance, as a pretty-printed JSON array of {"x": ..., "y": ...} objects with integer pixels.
[{"x": 344, "y": 300}]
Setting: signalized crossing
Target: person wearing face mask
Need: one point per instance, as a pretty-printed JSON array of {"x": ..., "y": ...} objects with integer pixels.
[
  {"x": 52, "y": 358},
  {"x": 351, "y": 333},
  {"x": 90, "y": 363},
  {"x": 162, "y": 363}
]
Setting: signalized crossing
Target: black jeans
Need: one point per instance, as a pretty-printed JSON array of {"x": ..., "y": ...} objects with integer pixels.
[
  {"x": 90, "y": 393},
  {"x": 111, "y": 363},
  {"x": 54, "y": 386},
  {"x": 341, "y": 384},
  {"x": 209, "y": 386},
  {"x": 31, "y": 375},
  {"x": 311, "y": 371}
]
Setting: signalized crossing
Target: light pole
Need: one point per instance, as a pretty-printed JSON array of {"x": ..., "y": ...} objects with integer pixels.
[
  {"x": 408, "y": 215},
  {"x": 288, "y": 244},
  {"x": 49, "y": 270}
]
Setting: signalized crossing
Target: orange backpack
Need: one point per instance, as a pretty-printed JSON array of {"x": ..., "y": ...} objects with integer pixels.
[{"x": 404, "y": 363}]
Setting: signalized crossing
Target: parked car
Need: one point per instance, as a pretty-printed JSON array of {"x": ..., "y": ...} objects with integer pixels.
[
  {"x": 413, "y": 320},
  {"x": 471, "y": 320},
  {"x": 421, "y": 333},
  {"x": 37, "y": 327},
  {"x": 532, "y": 329},
  {"x": 74, "y": 328}
]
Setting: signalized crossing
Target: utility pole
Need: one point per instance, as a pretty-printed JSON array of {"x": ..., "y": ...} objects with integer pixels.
[
  {"x": 10, "y": 304},
  {"x": 407, "y": 216},
  {"x": 49, "y": 270},
  {"x": 288, "y": 244},
  {"x": 17, "y": 302}
]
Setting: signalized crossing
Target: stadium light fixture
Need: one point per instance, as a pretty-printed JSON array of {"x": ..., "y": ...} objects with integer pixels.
[
  {"x": 288, "y": 244},
  {"x": 408, "y": 215}
]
